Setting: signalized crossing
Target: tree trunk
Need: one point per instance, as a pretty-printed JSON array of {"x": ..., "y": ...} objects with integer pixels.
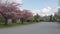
[
  {"x": 6, "y": 21},
  {"x": 22, "y": 21},
  {"x": 13, "y": 20},
  {"x": 51, "y": 19}
]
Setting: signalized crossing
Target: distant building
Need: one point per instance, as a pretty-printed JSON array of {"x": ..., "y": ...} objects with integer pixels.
[
  {"x": 58, "y": 13},
  {"x": 47, "y": 18}
]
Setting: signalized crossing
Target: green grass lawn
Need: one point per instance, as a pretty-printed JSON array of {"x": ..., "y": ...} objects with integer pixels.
[
  {"x": 14, "y": 24},
  {"x": 58, "y": 22},
  {"x": 9, "y": 25}
]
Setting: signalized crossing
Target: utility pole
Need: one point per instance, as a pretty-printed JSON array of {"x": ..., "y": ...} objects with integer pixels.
[
  {"x": 58, "y": 7},
  {"x": 59, "y": 3}
]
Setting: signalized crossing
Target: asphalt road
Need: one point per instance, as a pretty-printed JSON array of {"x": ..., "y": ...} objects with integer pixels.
[{"x": 38, "y": 28}]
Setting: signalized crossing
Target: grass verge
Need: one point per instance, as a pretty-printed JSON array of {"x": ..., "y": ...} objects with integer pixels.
[{"x": 14, "y": 24}]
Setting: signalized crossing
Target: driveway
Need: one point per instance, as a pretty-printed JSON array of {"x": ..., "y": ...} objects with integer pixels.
[{"x": 38, "y": 28}]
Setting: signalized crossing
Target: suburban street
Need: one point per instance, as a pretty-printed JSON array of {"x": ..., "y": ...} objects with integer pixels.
[{"x": 38, "y": 28}]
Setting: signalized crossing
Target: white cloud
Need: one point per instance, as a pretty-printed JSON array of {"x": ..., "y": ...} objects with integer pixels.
[
  {"x": 18, "y": 1},
  {"x": 57, "y": 10},
  {"x": 44, "y": 11}
]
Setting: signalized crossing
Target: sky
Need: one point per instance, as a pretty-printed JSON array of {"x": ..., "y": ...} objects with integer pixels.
[{"x": 41, "y": 7}]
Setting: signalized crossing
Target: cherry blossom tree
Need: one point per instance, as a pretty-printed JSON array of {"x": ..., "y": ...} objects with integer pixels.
[
  {"x": 9, "y": 10},
  {"x": 12, "y": 11},
  {"x": 25, "y": 14}
]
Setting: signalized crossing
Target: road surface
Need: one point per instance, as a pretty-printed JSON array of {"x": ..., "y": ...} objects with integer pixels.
[{"x": 38, "y": 28}]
